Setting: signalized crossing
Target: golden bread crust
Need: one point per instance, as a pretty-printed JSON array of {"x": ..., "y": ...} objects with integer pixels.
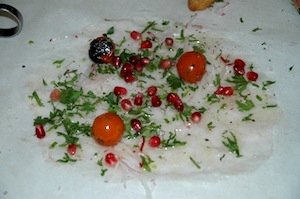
[{"x": 195, "y": 5}]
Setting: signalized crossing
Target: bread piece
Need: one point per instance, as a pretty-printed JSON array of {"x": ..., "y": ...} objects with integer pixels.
[{"x": 195, "y": 5}]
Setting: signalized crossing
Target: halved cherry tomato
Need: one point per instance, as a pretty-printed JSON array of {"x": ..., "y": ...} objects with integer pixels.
[
  {"x": 191, "y": 66},
  {"x": 108, "y": 129}
]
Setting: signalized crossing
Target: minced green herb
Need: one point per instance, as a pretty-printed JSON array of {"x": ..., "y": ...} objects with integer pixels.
[
  {"x": 147, "y": 163},
  {"x": 110, "y": 31},
  {"x": 58, "y": 63},
  {"x": 248, "y": 118},
  {"x": 172, "y": 141},
  {"x": 256, "y": 29},
  {"x": 266, "y": 84},
  {"x": 195, "y": 162},
  {"x": 36, "y": 97},
  {"x": 230, "y": 142},
  {"x": 66, "y": 159},
  {"x": 245, "y": 105},
  {"x": 210, "y": 126}
]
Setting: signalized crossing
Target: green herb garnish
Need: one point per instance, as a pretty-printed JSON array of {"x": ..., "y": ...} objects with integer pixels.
[
  {"x": 66, "y": 159},
  {"x": 195, "y": 162},
  {"x": 147, "y": 163},
  {"x": 267, "y": 84},
  {"x": 172, "y": 141},
  {"x": 110, "y": 31},
  {"x": 256, "y": 29},
  {"x": 36, "y": 97},
  {"x": 245, "y": 105},
  {"x": 240, "y": 83},
  {"x": 230, "y": 142},
  {"x": 58, "y": 63}
]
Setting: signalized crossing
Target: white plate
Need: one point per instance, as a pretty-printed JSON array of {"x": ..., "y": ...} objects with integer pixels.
[{"x": 25, "y": 171}]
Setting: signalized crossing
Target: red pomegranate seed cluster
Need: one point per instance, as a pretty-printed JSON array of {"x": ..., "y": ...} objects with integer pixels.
[
  {"x": 225, "y": 91},
  {"x": 175, "y": 100},
  {"x": 239, "y": 69},
  {"x": 130, "y": 69}
]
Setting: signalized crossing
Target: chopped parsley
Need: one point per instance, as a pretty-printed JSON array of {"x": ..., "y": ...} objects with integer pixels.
[
  {"x": 172, "y": 141},
  {"x": 58, "y": 63},
  {"x": 245, "y": 105},
  {"x": 174, "y": 81},
  {"x": 266, "y": 84},
  {"x": 240, "y": 83},
  {"x": 248, "y": 118},
  {"x": 230, "y": 142},
  {"x": 147, "y": 163},
  {"x": 256, "y": 29},
  {"x": 66, "y": 158},
  {"x": 103, "y": 170},
  {"x": 195, "y": 162},
  {"x": 36, "y": 97},
  {"x": 210, "y": 126},
  {"x": 110, "y": 31}
]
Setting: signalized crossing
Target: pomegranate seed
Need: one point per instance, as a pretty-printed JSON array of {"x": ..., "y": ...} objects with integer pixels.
[
  {"x": 171, "y": 97},
  {"x": 116, "y": 61},
  {"x": 136, "y": 125},
  {"x": 154, "y": 141},
  {"x": 152, "y": 90},
  {"x": 111, "y": 159},
  {"x": 239, "y": 66},
  {"x": 138, "y": 67},
  {"x": 146, "y": 44},
  {"x": 138, "y": 99},
  {"x": 239, "y": 70},
  {"x": 220, "y": 91},
  {"x": 196, "y": 117},
  {"x": 169, "y": 41},
  {"x": 145, "y": 61},
  {"x": 72, "y": 149},
  {"x": 165, "y": 63},
  {"x": 126, "y": 104},
  {"x": 178, "y": 105},
  {"x": 55, "y": 95},
  {"x": 120, "y": 91},
  {"x": 252, "y": 76},
  {"x": 155, "y": 101},
  {"x": 39, "y": 131},
  {"x": 129, "y": 78},
  {"x": 174, "y": 99},
  {"x": 135, "y": 35},
  {"x": 228, "y": 91},
  {"x": 134, "y": 59},
  {"x": 239, "y": 62},
  {"x": 127, "y": 70}
]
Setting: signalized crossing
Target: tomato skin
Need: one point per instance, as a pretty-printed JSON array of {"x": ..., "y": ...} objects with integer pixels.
[
  {"x": 108, "y": 129},
  {"x": 191, "y": 66},
  {"x": 55, "y": 95}
]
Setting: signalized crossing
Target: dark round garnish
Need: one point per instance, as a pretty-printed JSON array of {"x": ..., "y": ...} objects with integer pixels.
[{"x": 102, "y": 50}]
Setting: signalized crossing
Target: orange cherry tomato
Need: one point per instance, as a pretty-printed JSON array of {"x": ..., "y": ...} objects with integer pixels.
[
  {"x": 108, "y": 129},
  {"x": 191, "y": 66}
]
